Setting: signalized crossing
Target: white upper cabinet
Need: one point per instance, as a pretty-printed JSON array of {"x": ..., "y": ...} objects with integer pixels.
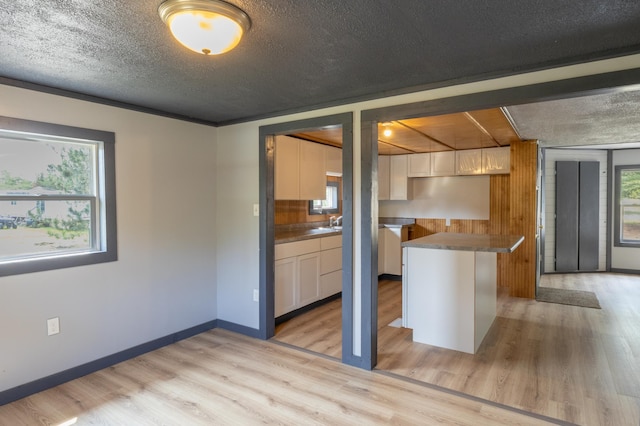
[
  {"x": 469, "y": 162},
  {"x": 398, "y": 182},
  {"x": 287, "y": 168},
  {"x": 383, "y": 177},
  {"x": 313, "y": 177},
  {"x": 443, "y": 163},
  {"x": 333, "y": 161},
  {"x": 393, "y": 182},
  {"x": 496, "y": 160},
  {"x": 392, "y": 177},
  {"x": 419, "y": 165},
  {"x": 300, "y": 172}
]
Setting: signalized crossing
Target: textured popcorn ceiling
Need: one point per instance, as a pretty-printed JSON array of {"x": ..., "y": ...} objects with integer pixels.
[
  {"x": 591, "y": 121},
  {"x": 300, "y": 54}
]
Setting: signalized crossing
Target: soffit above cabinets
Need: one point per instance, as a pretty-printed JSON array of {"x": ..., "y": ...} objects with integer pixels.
[{"x": 467, "y": 130}]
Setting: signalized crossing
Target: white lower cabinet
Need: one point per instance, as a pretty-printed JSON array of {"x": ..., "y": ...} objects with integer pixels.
[
  {"x": 306, "y": 271},
  {"x": 390, "y": 250},
  {"x": 308, "y": 278},
  {"x": 286, "y": 273},
  {"x": 331, "y": 283},
  {"x": 393, "y": 251},
  {"x": 381, "y": 243}
]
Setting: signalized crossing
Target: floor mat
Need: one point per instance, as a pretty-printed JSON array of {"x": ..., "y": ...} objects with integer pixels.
[{"x": 586, "y": 299}]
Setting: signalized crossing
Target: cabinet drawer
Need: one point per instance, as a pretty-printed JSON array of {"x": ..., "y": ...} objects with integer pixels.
[
  {"x": 327, "y": 243},
  {"x": 331, "y": 283},
  {"x": 296, "y": 248},
  {"x": 330, "y": 260}
]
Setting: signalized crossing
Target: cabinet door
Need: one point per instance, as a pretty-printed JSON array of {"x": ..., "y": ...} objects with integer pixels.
[
  {"x": 496, "y": 160},
  {"x": 285, "y": 286},
  {"x": 398, "y": 177},
  {"x": 286, "y": 163},
  {"x": 331, "y": 283},
  {"x": 308, "y": 278},
  {"x": 333, "y": 161},
  {"x": 469, "y": 162},
  {"x": 419, "y": 165},
  {"x": 383, "y": 177},
  {"x": 381, "y": 234},
  {"x": 443, "y": 163},
  {"x": 313, "y": 178},
  {"x": 393, "y": 251}
]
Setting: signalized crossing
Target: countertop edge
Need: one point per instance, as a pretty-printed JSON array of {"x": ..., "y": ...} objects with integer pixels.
[{"x": 453, "y": 245}]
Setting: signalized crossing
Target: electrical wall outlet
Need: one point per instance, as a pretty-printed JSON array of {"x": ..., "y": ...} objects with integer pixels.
[
  {"x": 53, "y": 326},
  {"x": 256, "y": 295}
]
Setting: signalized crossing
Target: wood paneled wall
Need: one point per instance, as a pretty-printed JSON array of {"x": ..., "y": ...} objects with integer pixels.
[
  {"x": 522, "y": 218},
  {"x": 424, "y": 227},
  {"x": 289, "y": 212},
  {"x": 499, "y": 220}
]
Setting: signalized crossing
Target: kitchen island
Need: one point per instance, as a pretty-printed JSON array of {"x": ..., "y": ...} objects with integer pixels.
[{"x": 449, "y": 290}]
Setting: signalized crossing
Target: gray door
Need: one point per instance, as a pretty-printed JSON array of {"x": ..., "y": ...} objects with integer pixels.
[{"x": 577, "y": 211}]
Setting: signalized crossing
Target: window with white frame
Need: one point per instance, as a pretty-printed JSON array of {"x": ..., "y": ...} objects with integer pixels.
[
  {"x": 57, "y": 196},
  {"x": 627, "y": 206}
]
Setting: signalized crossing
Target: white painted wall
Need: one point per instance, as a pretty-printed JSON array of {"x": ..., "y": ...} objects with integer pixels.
[
  {"x": 237, "y": 229},
  {"x": 164, "y": 280},
  {"x": 454, "y": 197},
  {"x": 553, "y": 155},
  {"x": 624, "y": 257}
]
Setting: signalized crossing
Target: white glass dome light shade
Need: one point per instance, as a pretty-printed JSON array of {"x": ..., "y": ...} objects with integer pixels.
[{"x": 208, "y": 27}]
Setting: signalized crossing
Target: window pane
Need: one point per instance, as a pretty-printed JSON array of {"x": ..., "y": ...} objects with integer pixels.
[
  {"x": 630, "y": 205},
  {"x": 57, "y": 196},
  {"x": 32, "y": 166},
  {"x": 37, "y": 227}
]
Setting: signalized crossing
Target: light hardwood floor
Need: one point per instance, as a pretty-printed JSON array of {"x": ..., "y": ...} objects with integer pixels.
[
  {"x": 579, "y": 365},
  {"x": 219, "y": 377}
]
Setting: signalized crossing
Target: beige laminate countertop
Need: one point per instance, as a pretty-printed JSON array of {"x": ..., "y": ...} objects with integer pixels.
[{"x": 467, "y": 242}]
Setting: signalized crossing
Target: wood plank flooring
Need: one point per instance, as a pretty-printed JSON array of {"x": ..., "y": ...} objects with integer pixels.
[
  {"x": 219, "y": 377},
  {"x": 579, "y": 365}
]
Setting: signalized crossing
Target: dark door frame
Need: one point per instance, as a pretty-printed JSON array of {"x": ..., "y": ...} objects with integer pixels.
[
  {"x": 569, "y": 88},
  {"x": 267, "y": 227}
]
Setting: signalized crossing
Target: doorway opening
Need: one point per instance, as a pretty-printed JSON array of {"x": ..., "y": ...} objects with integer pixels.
[{"x": 295, "y": 275}]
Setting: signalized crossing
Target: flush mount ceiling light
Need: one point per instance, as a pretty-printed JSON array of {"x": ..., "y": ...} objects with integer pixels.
[
  {"x": 387, "y": 129},
  {"x": 209, "y": 27}
]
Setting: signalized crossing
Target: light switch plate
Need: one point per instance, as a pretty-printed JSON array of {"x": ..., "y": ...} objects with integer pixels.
[
  {"x": 53, "y": 326},
  {"x": 256, "y": 209}
]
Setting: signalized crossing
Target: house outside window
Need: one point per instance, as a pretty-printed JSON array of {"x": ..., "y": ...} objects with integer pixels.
[
  {"x": 627, "y": 206},
  {"x": 330, "y": 204},
  {"x": 57, "y": 196}
]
